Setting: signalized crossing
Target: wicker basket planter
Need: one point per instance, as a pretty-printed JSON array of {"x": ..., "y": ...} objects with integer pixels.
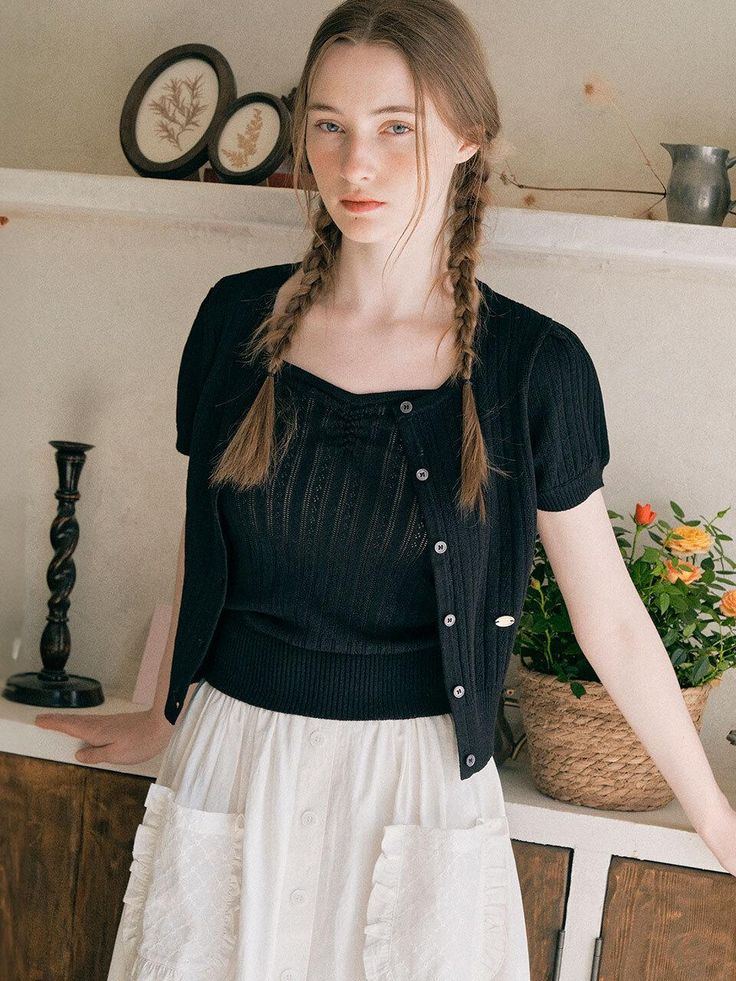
[{"x": 582, "y": 750}]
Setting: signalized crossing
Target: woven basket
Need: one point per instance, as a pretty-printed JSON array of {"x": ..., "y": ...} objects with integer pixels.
[{"x": 583, "y": 750}]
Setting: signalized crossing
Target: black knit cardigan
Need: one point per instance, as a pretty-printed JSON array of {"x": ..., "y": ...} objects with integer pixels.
[{"x": 542, "y": 417}]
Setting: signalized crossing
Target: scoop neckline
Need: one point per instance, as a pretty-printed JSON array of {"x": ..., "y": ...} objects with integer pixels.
[{"x": 298, "y": 373}]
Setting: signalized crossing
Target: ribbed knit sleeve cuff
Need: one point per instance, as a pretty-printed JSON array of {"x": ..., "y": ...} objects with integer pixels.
[{"x": 572, "y": 493}]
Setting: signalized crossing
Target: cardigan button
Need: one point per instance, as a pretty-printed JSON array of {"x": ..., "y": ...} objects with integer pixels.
[
  {"x": 470, "y": 759},
  {"x": 406, "y": 406},
  {"x": 458, "y": 691},
  {"x": 449, "y": 619},
  {"x": 422, "y": 474},
  {"x": 440, "y": 547},
  {"x": 504, "y": 621}
]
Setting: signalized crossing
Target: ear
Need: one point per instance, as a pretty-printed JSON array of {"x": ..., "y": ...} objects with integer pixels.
[{"x": 466, "y": 150}]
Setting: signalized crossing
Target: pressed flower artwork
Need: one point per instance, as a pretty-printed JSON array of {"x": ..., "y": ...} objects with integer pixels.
[
  {"x": 177, "y": 109},
  {"x": 249, "y": 136}
]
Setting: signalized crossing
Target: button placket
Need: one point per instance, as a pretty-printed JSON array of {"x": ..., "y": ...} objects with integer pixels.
[
  {"x": 299, "y": 891},
  {"x": 415, "y": 454}
]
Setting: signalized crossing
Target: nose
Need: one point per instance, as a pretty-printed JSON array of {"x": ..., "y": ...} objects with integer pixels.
[{"x": 357, "y": 164}]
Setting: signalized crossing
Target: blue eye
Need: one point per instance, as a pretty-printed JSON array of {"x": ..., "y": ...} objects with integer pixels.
[{"x": 329, "y": 123}]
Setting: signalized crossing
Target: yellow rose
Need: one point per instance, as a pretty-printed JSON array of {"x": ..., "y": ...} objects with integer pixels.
[
  {"x": 686, "y": 571},
  {"x": 693, "y": 540},
  {"x": 728, "y": 603}
]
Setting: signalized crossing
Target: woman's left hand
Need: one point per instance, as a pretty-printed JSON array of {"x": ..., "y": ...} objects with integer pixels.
[{"x": 719, "y": 834}]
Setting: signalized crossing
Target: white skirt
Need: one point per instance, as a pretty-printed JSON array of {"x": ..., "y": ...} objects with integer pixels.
[{"x": 281, "y": 847}]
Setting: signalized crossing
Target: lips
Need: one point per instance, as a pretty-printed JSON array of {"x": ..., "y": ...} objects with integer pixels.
[{"x": 358, "y": 206}]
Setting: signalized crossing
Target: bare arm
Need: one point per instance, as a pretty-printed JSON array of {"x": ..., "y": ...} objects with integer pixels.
[{"x": 618, "y": 637}]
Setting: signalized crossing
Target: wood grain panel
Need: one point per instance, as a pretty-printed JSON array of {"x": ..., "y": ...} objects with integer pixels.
[
  {"x": 40, "y": 835},
  {"x": 113, "y": 808},
  {"x": 667, "y": 923},
  {"x": 544, "y": 872}
]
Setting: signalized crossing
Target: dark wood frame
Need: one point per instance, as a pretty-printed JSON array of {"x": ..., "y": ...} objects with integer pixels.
[
  {"x": 194, "y": 158},
  {"x": 281, "y": 148}
]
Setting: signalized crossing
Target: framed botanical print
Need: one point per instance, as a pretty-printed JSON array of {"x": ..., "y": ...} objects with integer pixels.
[
  {"x": 172, "y": 109},
  {"x": 251, "y": 139}
]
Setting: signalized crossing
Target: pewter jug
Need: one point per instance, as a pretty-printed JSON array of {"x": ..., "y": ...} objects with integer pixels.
[{"x": 698, "y": 190}]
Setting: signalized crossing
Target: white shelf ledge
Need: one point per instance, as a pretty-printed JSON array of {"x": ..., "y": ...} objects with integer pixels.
[{"x": 518, "y": 230}]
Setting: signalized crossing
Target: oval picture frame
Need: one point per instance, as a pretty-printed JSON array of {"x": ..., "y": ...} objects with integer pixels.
[
  {"x": 251, "y": 138},
  {"x": 172, "y": 109}
]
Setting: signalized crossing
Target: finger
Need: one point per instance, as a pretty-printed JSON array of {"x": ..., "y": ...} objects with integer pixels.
[
  {"x": 91, "y": 754},
  {"x": 56, "y": 718}
]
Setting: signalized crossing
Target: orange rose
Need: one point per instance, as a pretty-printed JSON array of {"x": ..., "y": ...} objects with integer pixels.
[
  {"x": 728, "y": 603},
  {"x": 693, "y": 540},
  {"x": 643, "y": 514},
  {"x": 686, "y": 571}
]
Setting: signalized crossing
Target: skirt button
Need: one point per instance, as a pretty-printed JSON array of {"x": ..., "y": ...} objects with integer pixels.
[{"x": 505, "y": 621}]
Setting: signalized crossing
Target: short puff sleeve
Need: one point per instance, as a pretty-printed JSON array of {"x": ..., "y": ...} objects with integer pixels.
[
  {"x": 196, "y": 360},
  {"x": 567, "y": 422}
]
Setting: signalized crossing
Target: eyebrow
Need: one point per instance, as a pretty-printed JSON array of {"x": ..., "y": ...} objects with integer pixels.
[{"x": 323, "y": 107}]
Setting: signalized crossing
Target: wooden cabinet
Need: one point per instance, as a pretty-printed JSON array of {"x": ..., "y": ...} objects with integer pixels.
[
  {"x": 66, "y": 839},
  {"x": 666, "y": 921},
  {"x": 660, "y": 922},
  {"x": 543, "y": 871}
]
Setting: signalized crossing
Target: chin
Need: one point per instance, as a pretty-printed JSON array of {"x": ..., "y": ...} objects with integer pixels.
[{"x": 359, "y": 232}]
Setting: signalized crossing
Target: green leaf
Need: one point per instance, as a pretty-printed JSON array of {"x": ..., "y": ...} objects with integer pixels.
[
  {"x": 703, "y": 668},
  {"x": 678, "y": 655},
  {"x": 649, "y": 554},
  {"x": 677, "y": 510}
]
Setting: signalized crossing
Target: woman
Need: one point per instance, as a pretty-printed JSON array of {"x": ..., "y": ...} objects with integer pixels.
[{"x": 328, "y": 808}]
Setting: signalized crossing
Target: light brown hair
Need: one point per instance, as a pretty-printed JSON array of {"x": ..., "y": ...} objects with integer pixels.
[{"x": 447, "y": 61}]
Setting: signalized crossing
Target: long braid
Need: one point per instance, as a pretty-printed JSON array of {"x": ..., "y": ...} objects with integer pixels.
[
  {"x": 250, "y": 454},
  {"x": 471, "y": 197}
]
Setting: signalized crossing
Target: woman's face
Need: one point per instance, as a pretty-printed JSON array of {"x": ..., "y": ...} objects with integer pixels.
[{"x": 354, "y": 150}]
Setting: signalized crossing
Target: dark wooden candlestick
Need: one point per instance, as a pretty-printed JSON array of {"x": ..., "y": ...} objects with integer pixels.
[{"x": 53, "y": 686}]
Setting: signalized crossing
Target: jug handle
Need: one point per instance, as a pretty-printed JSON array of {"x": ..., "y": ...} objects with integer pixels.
[{"x": 729, "y": 163}]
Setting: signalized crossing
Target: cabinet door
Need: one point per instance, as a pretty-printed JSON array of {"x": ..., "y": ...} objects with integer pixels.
[
  {"x": 543, "y": 876},
  {"x": 113, "y": 809},
  {"x": 66, "y": 840},
  {"x": 667, "y": 923}
]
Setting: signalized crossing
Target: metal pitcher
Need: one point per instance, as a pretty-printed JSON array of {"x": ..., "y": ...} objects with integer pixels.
[{"x": 699, "y": 191}]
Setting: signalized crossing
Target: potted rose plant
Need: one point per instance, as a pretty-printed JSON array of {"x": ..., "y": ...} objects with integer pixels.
[{"x": 580, "y": 746}]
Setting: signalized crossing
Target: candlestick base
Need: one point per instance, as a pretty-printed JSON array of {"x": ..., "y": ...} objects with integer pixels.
[{"x": 69, "y": 691}]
